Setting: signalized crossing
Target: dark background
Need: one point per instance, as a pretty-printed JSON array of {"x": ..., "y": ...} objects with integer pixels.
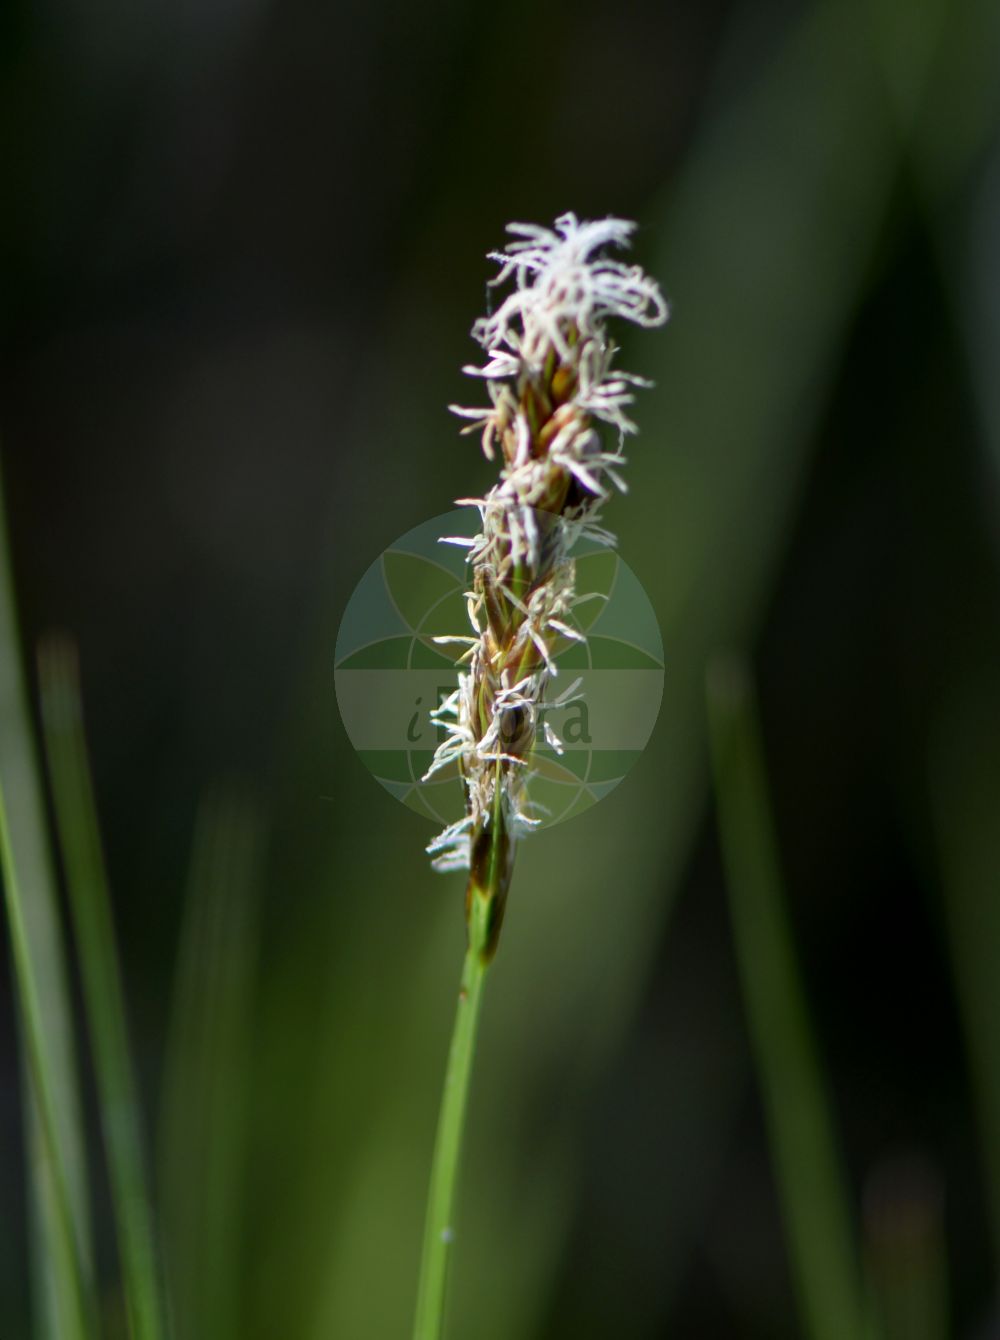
[{"x": 242, "y": 248}]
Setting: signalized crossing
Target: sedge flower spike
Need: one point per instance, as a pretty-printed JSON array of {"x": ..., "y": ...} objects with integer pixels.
[{"x": 552, "y": 387}]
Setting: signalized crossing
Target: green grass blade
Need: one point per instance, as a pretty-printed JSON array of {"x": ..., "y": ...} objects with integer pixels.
[
  {"x": 813, "y": 1197},
  {"x": 66, "y": 1258},
  {"x": 59, "y": 1198},
  {"x": 202, "y": 1138},
  {"x": 93, "y": 925}
]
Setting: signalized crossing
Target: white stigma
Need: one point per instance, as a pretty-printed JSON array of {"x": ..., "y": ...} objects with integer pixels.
[{"x": 551, "y": 323}]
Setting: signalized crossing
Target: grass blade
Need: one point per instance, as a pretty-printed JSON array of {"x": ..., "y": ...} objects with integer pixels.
[
  {"x": 93, "y": 925},
  {"x": 58, "y": 1179},
  {"x": 813, "y": 1199},
  {"x": 65, "y": 1257},
  {"x": 203, "y": 1131}
]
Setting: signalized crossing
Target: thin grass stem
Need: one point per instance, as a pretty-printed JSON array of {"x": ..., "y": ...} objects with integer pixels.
[
  {"x": 439, "y": 1230},
  {"x": 90, "y": 907},
  {"x": 811, "y": 1190}
]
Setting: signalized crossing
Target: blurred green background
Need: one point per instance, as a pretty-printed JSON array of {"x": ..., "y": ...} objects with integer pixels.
[{"x": 242, "y": 246}]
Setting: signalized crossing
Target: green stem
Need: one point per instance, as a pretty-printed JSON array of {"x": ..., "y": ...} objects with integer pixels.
[{"x": 439, "y": 1233}]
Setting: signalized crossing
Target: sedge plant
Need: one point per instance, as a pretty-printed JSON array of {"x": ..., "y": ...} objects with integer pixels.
[{"x": 555, "y": 396}]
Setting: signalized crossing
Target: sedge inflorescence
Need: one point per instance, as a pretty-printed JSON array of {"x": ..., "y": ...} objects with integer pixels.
[{"x": 552, "y": 387}]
